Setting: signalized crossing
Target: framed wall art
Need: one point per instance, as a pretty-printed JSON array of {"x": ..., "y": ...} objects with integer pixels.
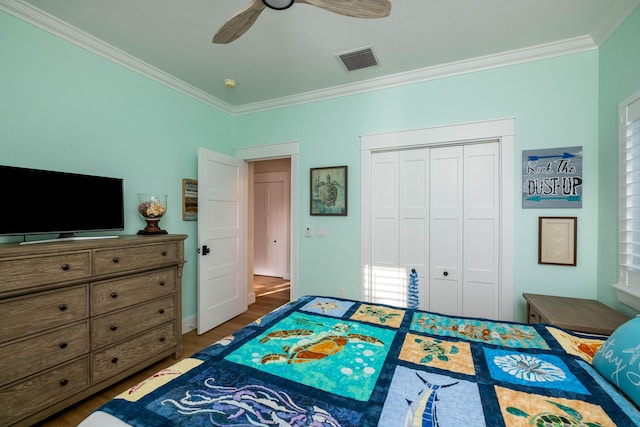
[
  {"x": 557, "y": 240},
  {"x": 329, "y": 191},
  {"x": 189, "y": 199}
]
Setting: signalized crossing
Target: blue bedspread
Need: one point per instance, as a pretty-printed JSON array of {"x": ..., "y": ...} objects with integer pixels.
[{"x": 322, "y": 361}]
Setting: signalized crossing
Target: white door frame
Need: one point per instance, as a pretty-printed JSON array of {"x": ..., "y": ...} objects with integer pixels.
[
  {"x": 501, "y": 130},
  {"x": 279, "y": 151}
]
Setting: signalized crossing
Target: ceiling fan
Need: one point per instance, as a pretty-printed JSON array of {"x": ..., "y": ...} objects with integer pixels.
[{"x": 239, "y": 23}]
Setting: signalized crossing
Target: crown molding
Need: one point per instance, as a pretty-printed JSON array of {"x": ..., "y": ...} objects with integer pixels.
[
  {"x": 612, "y": 21},
  {"x": 62, "y": 29},
  {"x": 55, "y": 26},
  {"x": 512, "y": 57}
]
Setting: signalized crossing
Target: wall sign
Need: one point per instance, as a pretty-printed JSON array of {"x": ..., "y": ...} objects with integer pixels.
[{"x": 552, "y": 178}]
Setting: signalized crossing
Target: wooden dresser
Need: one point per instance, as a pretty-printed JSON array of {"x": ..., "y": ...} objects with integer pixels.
[{"x": 78, "y": 316}]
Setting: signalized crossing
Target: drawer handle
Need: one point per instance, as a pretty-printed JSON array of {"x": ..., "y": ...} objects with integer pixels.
[
  {"x": 162, "y": 283},
  {"x": 64, "y": 382},
  {"x": 161, "y": 339},
  {"x": 66, "y": 267},
  {"x": 164, "y": 253},
  {"x": 114, "y": 360},
  {"x": 445, "y": 274},
  {"x": 161, "y": 311},
  {"x": 116, "y": 259},
  {"x": 63, "y": 345},
  {"x": 114, "y": 327},
  {"x": 63, "y": 307},
  {"x": 114, "y": 295}
]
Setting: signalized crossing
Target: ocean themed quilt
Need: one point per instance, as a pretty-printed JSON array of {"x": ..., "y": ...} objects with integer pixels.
[{"x": 328, "y": 362}]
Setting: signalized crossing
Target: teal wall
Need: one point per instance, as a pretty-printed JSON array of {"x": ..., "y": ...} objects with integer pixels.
[
  {"x": 65, "y": 108},
  {"x": 619, "y": 79},
  {"x": 62, "y": 107},
  {"x": 554, "y": 103}
]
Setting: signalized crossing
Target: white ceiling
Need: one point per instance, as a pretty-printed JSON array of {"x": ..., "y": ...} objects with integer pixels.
[{"x": 290, "y": 56}]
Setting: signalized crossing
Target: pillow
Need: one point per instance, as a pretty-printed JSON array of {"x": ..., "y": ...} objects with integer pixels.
[{"x": 618, "y": 359}]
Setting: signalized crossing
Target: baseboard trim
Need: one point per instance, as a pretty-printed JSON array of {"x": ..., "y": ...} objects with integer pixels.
[{"x": 189, "y": 324}]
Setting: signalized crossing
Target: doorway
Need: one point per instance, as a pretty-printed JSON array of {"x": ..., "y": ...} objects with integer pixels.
[{"x": 270, "y": 224}]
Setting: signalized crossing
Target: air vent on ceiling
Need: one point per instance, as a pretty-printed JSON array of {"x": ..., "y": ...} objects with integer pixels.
[{"x": 357, "y": 59}]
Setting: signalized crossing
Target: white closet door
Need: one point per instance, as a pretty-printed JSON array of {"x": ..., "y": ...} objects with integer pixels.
[
  {"x": 414, "y": 218},
  {"x": 480, "y": 289},
  {"x": 260, "y": 229},
  {"x": 270, "y": 225},
  {"x": 386, "y": 277},
  {"x": 446, "y": 230}
]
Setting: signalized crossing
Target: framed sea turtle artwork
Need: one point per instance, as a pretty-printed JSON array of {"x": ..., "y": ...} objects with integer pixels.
[{"x": 329, "y": 191}]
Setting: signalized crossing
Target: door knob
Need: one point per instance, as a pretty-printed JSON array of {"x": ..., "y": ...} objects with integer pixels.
[
  {"x": 205, "y": 250},
  {"x": 446, "y": 273}
]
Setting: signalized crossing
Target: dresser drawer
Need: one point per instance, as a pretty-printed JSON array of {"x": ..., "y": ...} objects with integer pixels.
[
  {"x": 120, "y": 293},
  {"x": 30, "y": 272},
  {"x": 44, "y": 310},
  {"x": 117, "y": 326},
  {"x": 38, "y": 353},
  {"x": 31, "y": 395},
  {"x": 116, "y": 260},
  {"x": 120, "y": 357}
]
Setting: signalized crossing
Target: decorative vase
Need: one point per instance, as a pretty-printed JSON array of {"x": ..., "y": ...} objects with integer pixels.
[{"x": 152, "y": 207}]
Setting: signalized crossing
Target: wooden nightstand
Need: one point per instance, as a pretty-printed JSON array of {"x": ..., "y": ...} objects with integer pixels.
[{"x": 576, "y": 314}]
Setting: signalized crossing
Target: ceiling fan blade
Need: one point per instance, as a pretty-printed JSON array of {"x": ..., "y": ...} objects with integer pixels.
[
  {"x": 354, "y": 8},
  {"x": 239, "y": 23}
]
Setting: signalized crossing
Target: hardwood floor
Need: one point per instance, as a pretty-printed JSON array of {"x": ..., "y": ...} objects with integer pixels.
[{"x": 268, "y": 301}]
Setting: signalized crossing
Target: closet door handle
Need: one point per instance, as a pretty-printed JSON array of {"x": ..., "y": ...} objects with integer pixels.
[{"x": 445, "y": 274}]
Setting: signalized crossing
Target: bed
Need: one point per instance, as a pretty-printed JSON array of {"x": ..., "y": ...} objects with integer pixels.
[{"x": 321, "y": 361}]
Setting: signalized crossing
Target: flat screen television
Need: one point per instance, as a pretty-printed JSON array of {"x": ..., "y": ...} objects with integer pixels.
[{"x": 35, "y": 201}]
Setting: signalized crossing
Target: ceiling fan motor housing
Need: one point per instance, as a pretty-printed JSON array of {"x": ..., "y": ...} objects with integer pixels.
[{"x": 278, "y": 4}]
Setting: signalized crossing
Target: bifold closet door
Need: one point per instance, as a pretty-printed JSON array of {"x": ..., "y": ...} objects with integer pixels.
[
  {"x": 481, "y": 225},
  {"x": 399, "y": 224},
  {"x": 445, "y": 244},
  {"x": 414, "y": 219},
  {"x": 437, "y": 210},
  {"x": 465, "y": 230},
  {"x": 385, "y": 281}
]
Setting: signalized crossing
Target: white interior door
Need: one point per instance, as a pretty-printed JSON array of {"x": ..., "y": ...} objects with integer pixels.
[
  {"x": 222, "y": 225},
  {"x": 270, "y": 225}
]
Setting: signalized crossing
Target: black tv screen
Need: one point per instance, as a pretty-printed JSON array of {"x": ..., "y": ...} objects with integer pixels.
[{"x": 40, "y": 202}]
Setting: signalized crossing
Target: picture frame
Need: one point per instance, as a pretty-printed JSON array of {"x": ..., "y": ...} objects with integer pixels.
[
  {"x": 557, "y": 243},
  {"x": 328, "y": 192},
  {"x": 189, "y": 199}
]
